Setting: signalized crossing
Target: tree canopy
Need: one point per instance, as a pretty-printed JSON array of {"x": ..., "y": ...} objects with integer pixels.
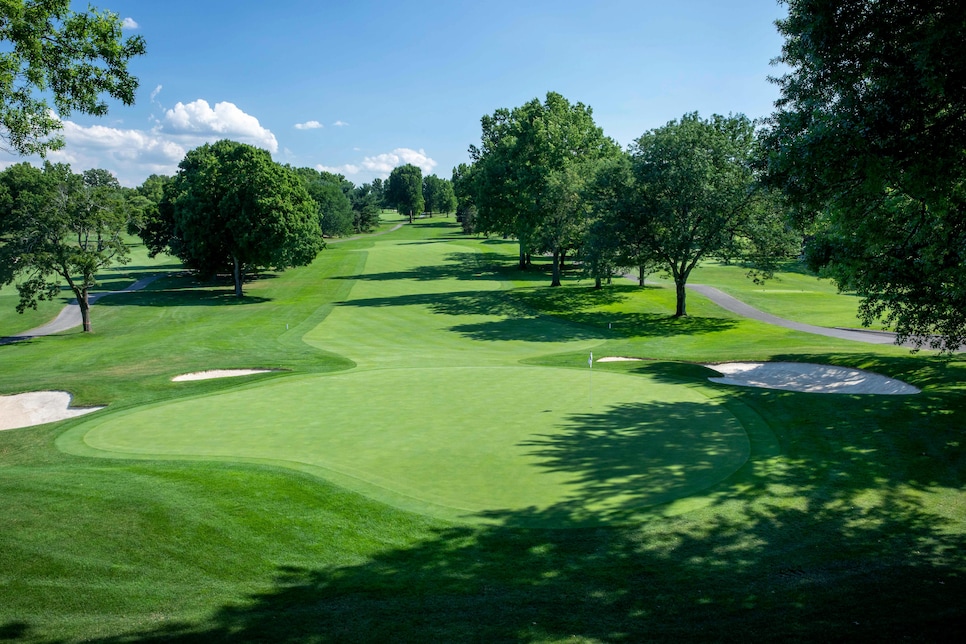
[
  {"x": 404, "y": 190},
  {"x": 49, "y": 51},
  {"x": 438, "y": 194},
  {"x": 231, "y": 208},
  {"x": 56, "y": 225},
  {"x": 867, "y": 143},
  {"x": 691, "y": 194},
  {"x": 525, "y": 169}
]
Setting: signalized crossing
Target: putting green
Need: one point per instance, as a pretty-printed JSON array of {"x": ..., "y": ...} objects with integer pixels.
[{"x": 455, "y": 442}]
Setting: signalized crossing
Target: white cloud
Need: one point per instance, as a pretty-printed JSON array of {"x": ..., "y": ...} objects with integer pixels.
[
  {"x": 346, "y": 170},
  {"x": 128, "y": 23},
  {"x": 340, "y": 124},
  {"x": 198, "y": 120},
  {"x": 308, "y": 125},
  {"x": 130, "y": 154},
  {"x": 155, "y": 92},
  {"x": 383, "y": 164}
]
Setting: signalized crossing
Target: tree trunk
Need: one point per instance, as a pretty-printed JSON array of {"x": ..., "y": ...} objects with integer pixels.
[
  {"x": 555, "y": 281},
  {"x": 640, "y": 275},
  {"x": 523, "y": 257},
  {"x": 237, "y": 274},
  {"x": 682, "y": 293},
  {"x": 411, "y": 218},
  {"x": 85, "y": 310},
  {"x": 597, "y": 284}
]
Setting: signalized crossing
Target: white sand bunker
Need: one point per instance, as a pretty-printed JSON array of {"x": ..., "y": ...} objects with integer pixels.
[
  {"x": 219, "y": 373},
  {"x": 618, "y": 359},
  {"x": 815, "y": 378},
  {"x": 37, "y": 408}
]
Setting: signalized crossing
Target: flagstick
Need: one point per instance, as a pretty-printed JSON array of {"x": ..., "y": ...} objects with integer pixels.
[{"x": 590, "y": 363}]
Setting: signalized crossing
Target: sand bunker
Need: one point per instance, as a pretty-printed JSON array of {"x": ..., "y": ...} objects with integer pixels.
[
  {"x": 219, "y": 373},
  {"x": 37, "y": 408},
  {"x": 618, "y": 359},
  {"x": 815, "y": 378}
]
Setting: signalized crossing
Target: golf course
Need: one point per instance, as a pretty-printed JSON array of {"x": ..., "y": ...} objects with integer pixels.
[{"x": 436, "y": 446}]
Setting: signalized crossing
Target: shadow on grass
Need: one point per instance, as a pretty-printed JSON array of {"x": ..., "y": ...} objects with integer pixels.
[
  {"x": 832, "y": 540},
  {"x": 187, "y": 296}
]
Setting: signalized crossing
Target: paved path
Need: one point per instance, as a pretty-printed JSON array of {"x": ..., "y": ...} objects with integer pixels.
[
  {"x": 70, "y": 315},
  {"x": 729, "y": 303}
]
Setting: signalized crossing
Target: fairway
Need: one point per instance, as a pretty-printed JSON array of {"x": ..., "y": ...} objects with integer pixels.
[{"x": 459, "y": 443}]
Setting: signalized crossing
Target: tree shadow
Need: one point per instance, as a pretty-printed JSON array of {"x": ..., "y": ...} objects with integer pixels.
[
  {"x": 458, "y": 265},
  {"x": 186, "y": 296}
]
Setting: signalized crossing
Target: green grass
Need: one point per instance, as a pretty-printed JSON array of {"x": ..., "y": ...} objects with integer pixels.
[
  {"x": 792, "y": 294},
  {"x": 321, "y": 503}
]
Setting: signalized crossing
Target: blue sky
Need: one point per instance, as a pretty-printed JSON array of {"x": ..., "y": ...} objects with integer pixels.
[{"x": 360, "y": 87}]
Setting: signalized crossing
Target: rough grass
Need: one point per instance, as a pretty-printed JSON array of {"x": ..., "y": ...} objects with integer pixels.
[{"x": 848, "y": 522}]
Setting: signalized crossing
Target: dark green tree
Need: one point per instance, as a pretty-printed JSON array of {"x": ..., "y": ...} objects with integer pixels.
[
  {"x": 694, "y": 195},
  {"x": 524, "y": 156},
  {"x": 867, "y": 143},
  {"x": 464, "y": 190},
  {"x": 438, "y": 195},
  {"x": 619, "y": 235},
  {"x": 230, "y": 208},
  {"x": 57, "y": 226},
  {"x": 365, "y": 208},
  {"x": 49, "y": 52},
  {"x": 404, "y": 190}
]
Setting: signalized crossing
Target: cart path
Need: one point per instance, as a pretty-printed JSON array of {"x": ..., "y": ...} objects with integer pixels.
[
  {"x": 70, "y": 316},
  {"x": 738, "y": 307}
]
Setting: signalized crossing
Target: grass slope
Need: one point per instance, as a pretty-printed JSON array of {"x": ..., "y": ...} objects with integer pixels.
[{"x": 847, "y": 523}]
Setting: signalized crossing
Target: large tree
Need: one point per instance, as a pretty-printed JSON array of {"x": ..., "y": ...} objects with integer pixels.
[
  {"x": 438, "y": 195},
  {"x": 57, "y": 226},
  {"x": 695, "y": 196},
  {"x": 523, "y": 159},
  {"x": 404, "y": 190},
  {"x": 867, "y": 142},
  {"x": 230, "y": 208},
  {"x": 330, "y": 192},
  {"x": 49, "y": 52},
  {"x": 365, "y": 207}
]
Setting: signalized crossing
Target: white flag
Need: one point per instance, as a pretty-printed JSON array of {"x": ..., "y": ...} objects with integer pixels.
[{"x": 590, "y": 360}]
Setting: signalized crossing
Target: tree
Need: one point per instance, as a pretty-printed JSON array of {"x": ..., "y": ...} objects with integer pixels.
[
  {"x": 619, "y": 233},
  {"x": 49, "y": 51},
  {"x": 231, "y": 208},
  {"x": 438, "y": 195},
  {"x": 518, "y": 168},
  {"x": 329, "y": 191},
  {"x": 57, "y": 224},
  {"x": 463, "y": 190},
  {"x": 867, "y": 143},
  {"x": 694, "y": 196},
  {"x": 404, "y": 191},
  {"x": 365, "y": 208}
]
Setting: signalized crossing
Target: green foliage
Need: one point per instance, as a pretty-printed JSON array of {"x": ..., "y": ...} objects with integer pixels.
[
  {"x": 690, "y": 194},
  {"x": 50, "y": 51},
  {"x": 366, "y": 208},
  {"x": 404, "y": 190},
  {"x": 231, "y": 208},
  {"x": 438, "y": 194},
  {"x": 528, "y": 171},
  {"x": 56, "y": 225},
  {"x": 867, "y": 142}
]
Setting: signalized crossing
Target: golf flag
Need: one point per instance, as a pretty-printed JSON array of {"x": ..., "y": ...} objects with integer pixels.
[{"x": 590, "y": 360}]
